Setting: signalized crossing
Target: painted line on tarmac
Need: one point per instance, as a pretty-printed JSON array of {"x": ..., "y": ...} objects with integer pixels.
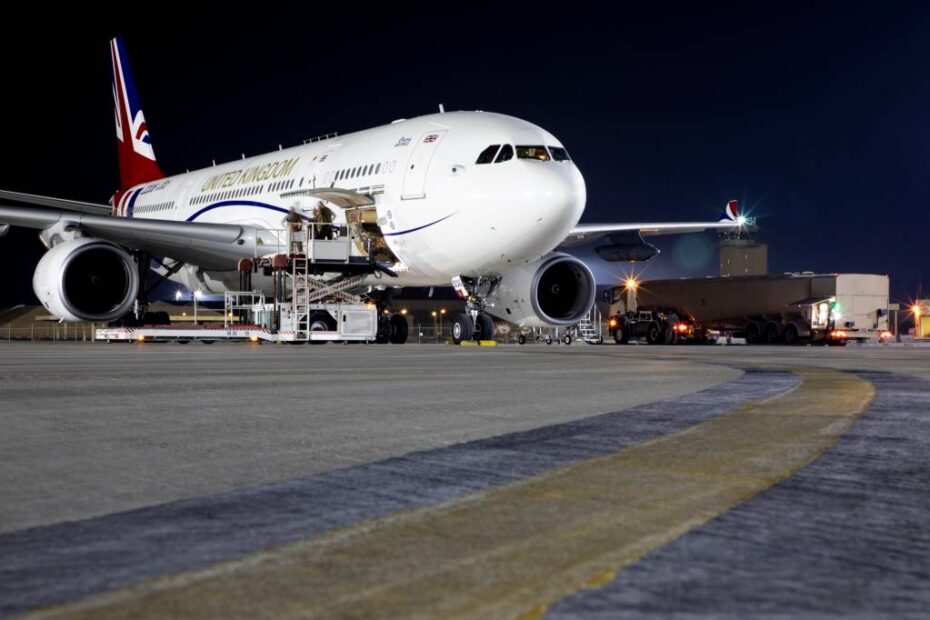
[
  {"x": 514, "y": 550},
  {"x": 68, "y": 561},
  {"x": 848, "y": 536}
]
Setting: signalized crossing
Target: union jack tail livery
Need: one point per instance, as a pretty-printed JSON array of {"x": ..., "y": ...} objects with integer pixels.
[
  {"x": 136, "y": 158},
  {"x": 730, "y": 212}
]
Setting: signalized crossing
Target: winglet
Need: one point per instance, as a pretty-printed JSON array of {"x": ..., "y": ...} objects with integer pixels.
[
  {"x": 730, "y": 212},
  {"x": 136, "y": 157}
]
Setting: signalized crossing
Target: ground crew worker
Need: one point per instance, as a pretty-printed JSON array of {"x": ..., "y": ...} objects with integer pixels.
[
  {"x": 323, "y": 218},
  {"x": 295, "y": 227}
]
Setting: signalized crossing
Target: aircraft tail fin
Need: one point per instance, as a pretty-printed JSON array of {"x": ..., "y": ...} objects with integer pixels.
[
  {"x": 730, "y": 212},
  {"x": 136, "y": 157}
]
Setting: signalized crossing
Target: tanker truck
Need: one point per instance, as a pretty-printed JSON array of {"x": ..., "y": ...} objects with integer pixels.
[{"x": 788, "y": 308}]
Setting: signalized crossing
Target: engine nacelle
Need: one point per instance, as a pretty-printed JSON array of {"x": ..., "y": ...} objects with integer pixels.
[
  {"x": 557, "y": 289},
  {"x": 626, "y": 247},
  {"x": 86, "y": 279}
]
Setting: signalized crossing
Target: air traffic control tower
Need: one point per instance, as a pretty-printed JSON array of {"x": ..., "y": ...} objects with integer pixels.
[{"x": 741, "y": 254}]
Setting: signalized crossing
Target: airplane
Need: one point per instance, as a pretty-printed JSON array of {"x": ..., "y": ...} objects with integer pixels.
[{"x": 478, "y": 200}]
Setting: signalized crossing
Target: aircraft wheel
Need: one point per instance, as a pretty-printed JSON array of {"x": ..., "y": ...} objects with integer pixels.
[
  {"x": 548, "y": 339},
  {"x": 521, "y": 339},
  {"x": 383, "y": 335},
  {"x": 462, "y": 328},
  {"x": 567, "y": 339},
  {"x": 399, "y": 329},
  {"x": 484, "y": 327}
]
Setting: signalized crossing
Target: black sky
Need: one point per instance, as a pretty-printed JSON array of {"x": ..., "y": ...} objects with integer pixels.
[{"x": 816, "y": 118}]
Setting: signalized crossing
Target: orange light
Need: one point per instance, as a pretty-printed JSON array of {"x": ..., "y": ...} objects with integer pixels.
[
  {"x": 631, "y": 283},
  {"x": 838, "y": 334},
  {"x": 885, "y": 335},
  {"x": 612, "y": 322},
  {"x": 433, "y": 313},
  {"x": 442, "y": 311},
  {"x": 404, "y": 312},
  {"x": 916, "y": 309},
  {"x": 253, "y": 338},
  {"x": 140, "y": 338}
]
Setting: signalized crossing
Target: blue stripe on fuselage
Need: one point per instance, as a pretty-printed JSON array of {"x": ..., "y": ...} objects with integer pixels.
[
  {"x": 410, "y": 230},
  {"x": 240, "y": 203},
  {"x": 262, "y": 205},
  {"x": 132, "y": 202}
]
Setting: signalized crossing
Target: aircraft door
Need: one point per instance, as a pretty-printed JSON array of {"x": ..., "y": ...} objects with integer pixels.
[
  {"x": 418, "y": 166},
  {"x": 319, "y": 172}
]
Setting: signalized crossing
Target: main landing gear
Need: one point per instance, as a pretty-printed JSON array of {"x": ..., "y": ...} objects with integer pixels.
[
  {"x": 392, "y": 327},
  {"x": 474, "y": 323},
  {"x": 468, "y": 327}
]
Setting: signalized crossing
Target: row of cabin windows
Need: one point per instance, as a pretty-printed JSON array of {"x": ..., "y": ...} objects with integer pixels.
[
  {"x": 228, "y": 195},
  {"x": 162, "y": 206},
  {"x": 497, "y": 153},
  {"x": 358, "y": 171},
  {"x": 281, "y": 185}
]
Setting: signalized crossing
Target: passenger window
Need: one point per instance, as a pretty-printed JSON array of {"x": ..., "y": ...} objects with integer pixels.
[
  {"x": 506, "y": 154},
  {"x": 538, "y": 153},
  {"x": 559, "y": 153},
  {"x": 487, "y": 155}
]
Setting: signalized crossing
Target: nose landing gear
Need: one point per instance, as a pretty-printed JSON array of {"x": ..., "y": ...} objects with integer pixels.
[{"x": 474, "y": 323}]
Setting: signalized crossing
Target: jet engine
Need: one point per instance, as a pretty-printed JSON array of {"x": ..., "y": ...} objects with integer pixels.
[
  {"x": 557, "y": 289},
  {"x": 86, "y": 279}
]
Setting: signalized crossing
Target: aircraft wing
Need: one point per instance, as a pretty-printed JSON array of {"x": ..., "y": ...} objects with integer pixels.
[
  {"x": 211, "y": 246},
  {"x": 583, "y": 233},
  {"x": 58, "y": 203}
]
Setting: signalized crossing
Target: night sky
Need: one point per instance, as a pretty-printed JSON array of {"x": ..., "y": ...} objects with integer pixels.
[{"x": 817, "y": 119}]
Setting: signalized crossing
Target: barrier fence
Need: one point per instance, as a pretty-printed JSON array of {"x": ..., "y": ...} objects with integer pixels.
[{"x": 421, "y": 333}]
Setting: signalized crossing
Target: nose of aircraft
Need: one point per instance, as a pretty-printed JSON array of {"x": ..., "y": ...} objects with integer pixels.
[{"x": 552, "y": 198}]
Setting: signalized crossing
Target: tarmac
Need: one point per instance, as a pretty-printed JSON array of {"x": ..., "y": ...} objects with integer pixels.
[{"x": 233, "y": 480}]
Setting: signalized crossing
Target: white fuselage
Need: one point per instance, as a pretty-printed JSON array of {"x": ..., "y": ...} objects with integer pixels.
[{"x": 441, "y": 214}]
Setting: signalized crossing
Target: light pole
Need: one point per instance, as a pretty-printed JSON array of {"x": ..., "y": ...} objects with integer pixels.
[
  {"x": 442, "y": 313},
  {"x": 197, "y": 295},
  {"x": 435, "y": 331}
]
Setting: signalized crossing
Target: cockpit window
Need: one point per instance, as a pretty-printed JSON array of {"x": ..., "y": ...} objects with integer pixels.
[
  {"x": 559, "y": 153},
  {"x": 532, "y": 152},
  {"x": 487, "y": 155},
  {"x": 506, "y": 154}
]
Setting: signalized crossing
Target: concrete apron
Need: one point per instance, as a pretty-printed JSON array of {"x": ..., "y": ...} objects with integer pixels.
[{"x": 514, "y": 550}]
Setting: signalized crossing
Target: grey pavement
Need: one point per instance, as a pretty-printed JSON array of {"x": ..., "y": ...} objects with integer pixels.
[
  {"x": 68, "y": 561},
  {"x": 91, "y": 429},
  {"x": 121, "y": 462}
]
